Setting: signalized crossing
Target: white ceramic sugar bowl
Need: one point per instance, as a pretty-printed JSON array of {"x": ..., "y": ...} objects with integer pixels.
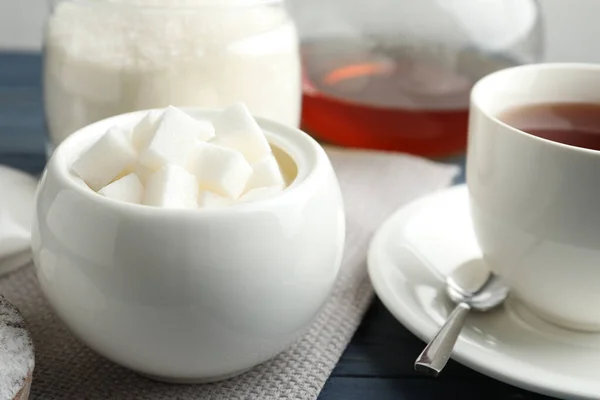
[{"x": 189, "y": 295}]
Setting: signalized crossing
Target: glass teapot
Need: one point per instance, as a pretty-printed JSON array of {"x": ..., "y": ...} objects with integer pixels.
[{"x": 396, "y": 74}]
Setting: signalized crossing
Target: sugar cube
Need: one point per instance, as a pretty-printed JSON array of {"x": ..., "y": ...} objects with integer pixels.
[
  {"x": 221, "y": 170},
  {"x": 128, "y": 189},
  {"x": 205, "y": 130},
  {"x": 143, "y": 172},
  {"x": 140, "y": 170},
  {"x": 236, "y": 128},
  {"x": 171, "y": 187},
  {"x": 105, "y": 159},
  {"x": 208, "y": 199},
  {"x": 261, "y": 193},
  {"x": 266, "y": 172},
  {"x": 143, "y": 132},
  {"x": 174, "y": 139}
]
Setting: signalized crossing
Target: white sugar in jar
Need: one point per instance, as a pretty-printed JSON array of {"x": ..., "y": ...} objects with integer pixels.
[{"x": 104, "y": 58}]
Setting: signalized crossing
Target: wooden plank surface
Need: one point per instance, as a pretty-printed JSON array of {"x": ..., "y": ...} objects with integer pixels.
[{"x": 377, "y": 365}]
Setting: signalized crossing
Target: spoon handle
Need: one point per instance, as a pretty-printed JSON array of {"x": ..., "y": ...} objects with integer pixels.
[{"x": 437, "y": 353}]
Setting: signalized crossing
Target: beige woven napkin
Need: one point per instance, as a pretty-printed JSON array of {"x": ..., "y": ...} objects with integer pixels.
[{"x": 373, "y": 185}]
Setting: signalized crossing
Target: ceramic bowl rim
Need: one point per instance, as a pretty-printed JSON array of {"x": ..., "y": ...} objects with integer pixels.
[{"x": 309, "y": 158}]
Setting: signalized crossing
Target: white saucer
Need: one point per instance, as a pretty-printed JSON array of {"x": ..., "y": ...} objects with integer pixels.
[
  {"x": 408, "y": 259},
  {"x": 17, "y": 194}
]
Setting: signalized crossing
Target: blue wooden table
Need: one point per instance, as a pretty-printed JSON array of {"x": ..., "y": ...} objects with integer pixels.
[{"x": 377, "y": 364}]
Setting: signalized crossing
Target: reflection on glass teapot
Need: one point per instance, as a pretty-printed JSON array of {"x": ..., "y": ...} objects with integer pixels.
[{"x": 396, "y": 74}]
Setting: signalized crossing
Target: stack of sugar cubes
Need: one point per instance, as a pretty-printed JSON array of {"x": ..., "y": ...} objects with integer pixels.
[{"x": 173, "y": 160}]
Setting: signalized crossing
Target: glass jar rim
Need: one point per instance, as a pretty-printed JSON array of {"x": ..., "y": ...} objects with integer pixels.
[{"x": 199, "y": 4}]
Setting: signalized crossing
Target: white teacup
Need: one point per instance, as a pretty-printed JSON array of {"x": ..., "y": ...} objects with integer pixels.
[
  {"x": 189, "y": 295},
  {"x": 536, "y": 203}
]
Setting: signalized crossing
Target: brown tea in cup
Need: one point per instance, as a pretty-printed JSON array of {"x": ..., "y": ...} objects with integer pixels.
[{"x": 574, "y": 124}]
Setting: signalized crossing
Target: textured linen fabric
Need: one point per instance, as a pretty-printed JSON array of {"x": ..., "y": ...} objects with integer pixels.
[{"x": 373, "y": 185}]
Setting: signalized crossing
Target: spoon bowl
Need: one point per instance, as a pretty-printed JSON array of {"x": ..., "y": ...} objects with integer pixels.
[{"x": 488, "y": 297}]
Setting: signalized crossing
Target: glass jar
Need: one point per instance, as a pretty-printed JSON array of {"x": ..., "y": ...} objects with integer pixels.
[
  {"x": 396, "y": 74},
  {"x": 107, "y": 57}
]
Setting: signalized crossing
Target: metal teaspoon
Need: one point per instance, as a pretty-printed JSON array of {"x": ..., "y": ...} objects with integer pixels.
[{"x": 472, "y": 287}]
